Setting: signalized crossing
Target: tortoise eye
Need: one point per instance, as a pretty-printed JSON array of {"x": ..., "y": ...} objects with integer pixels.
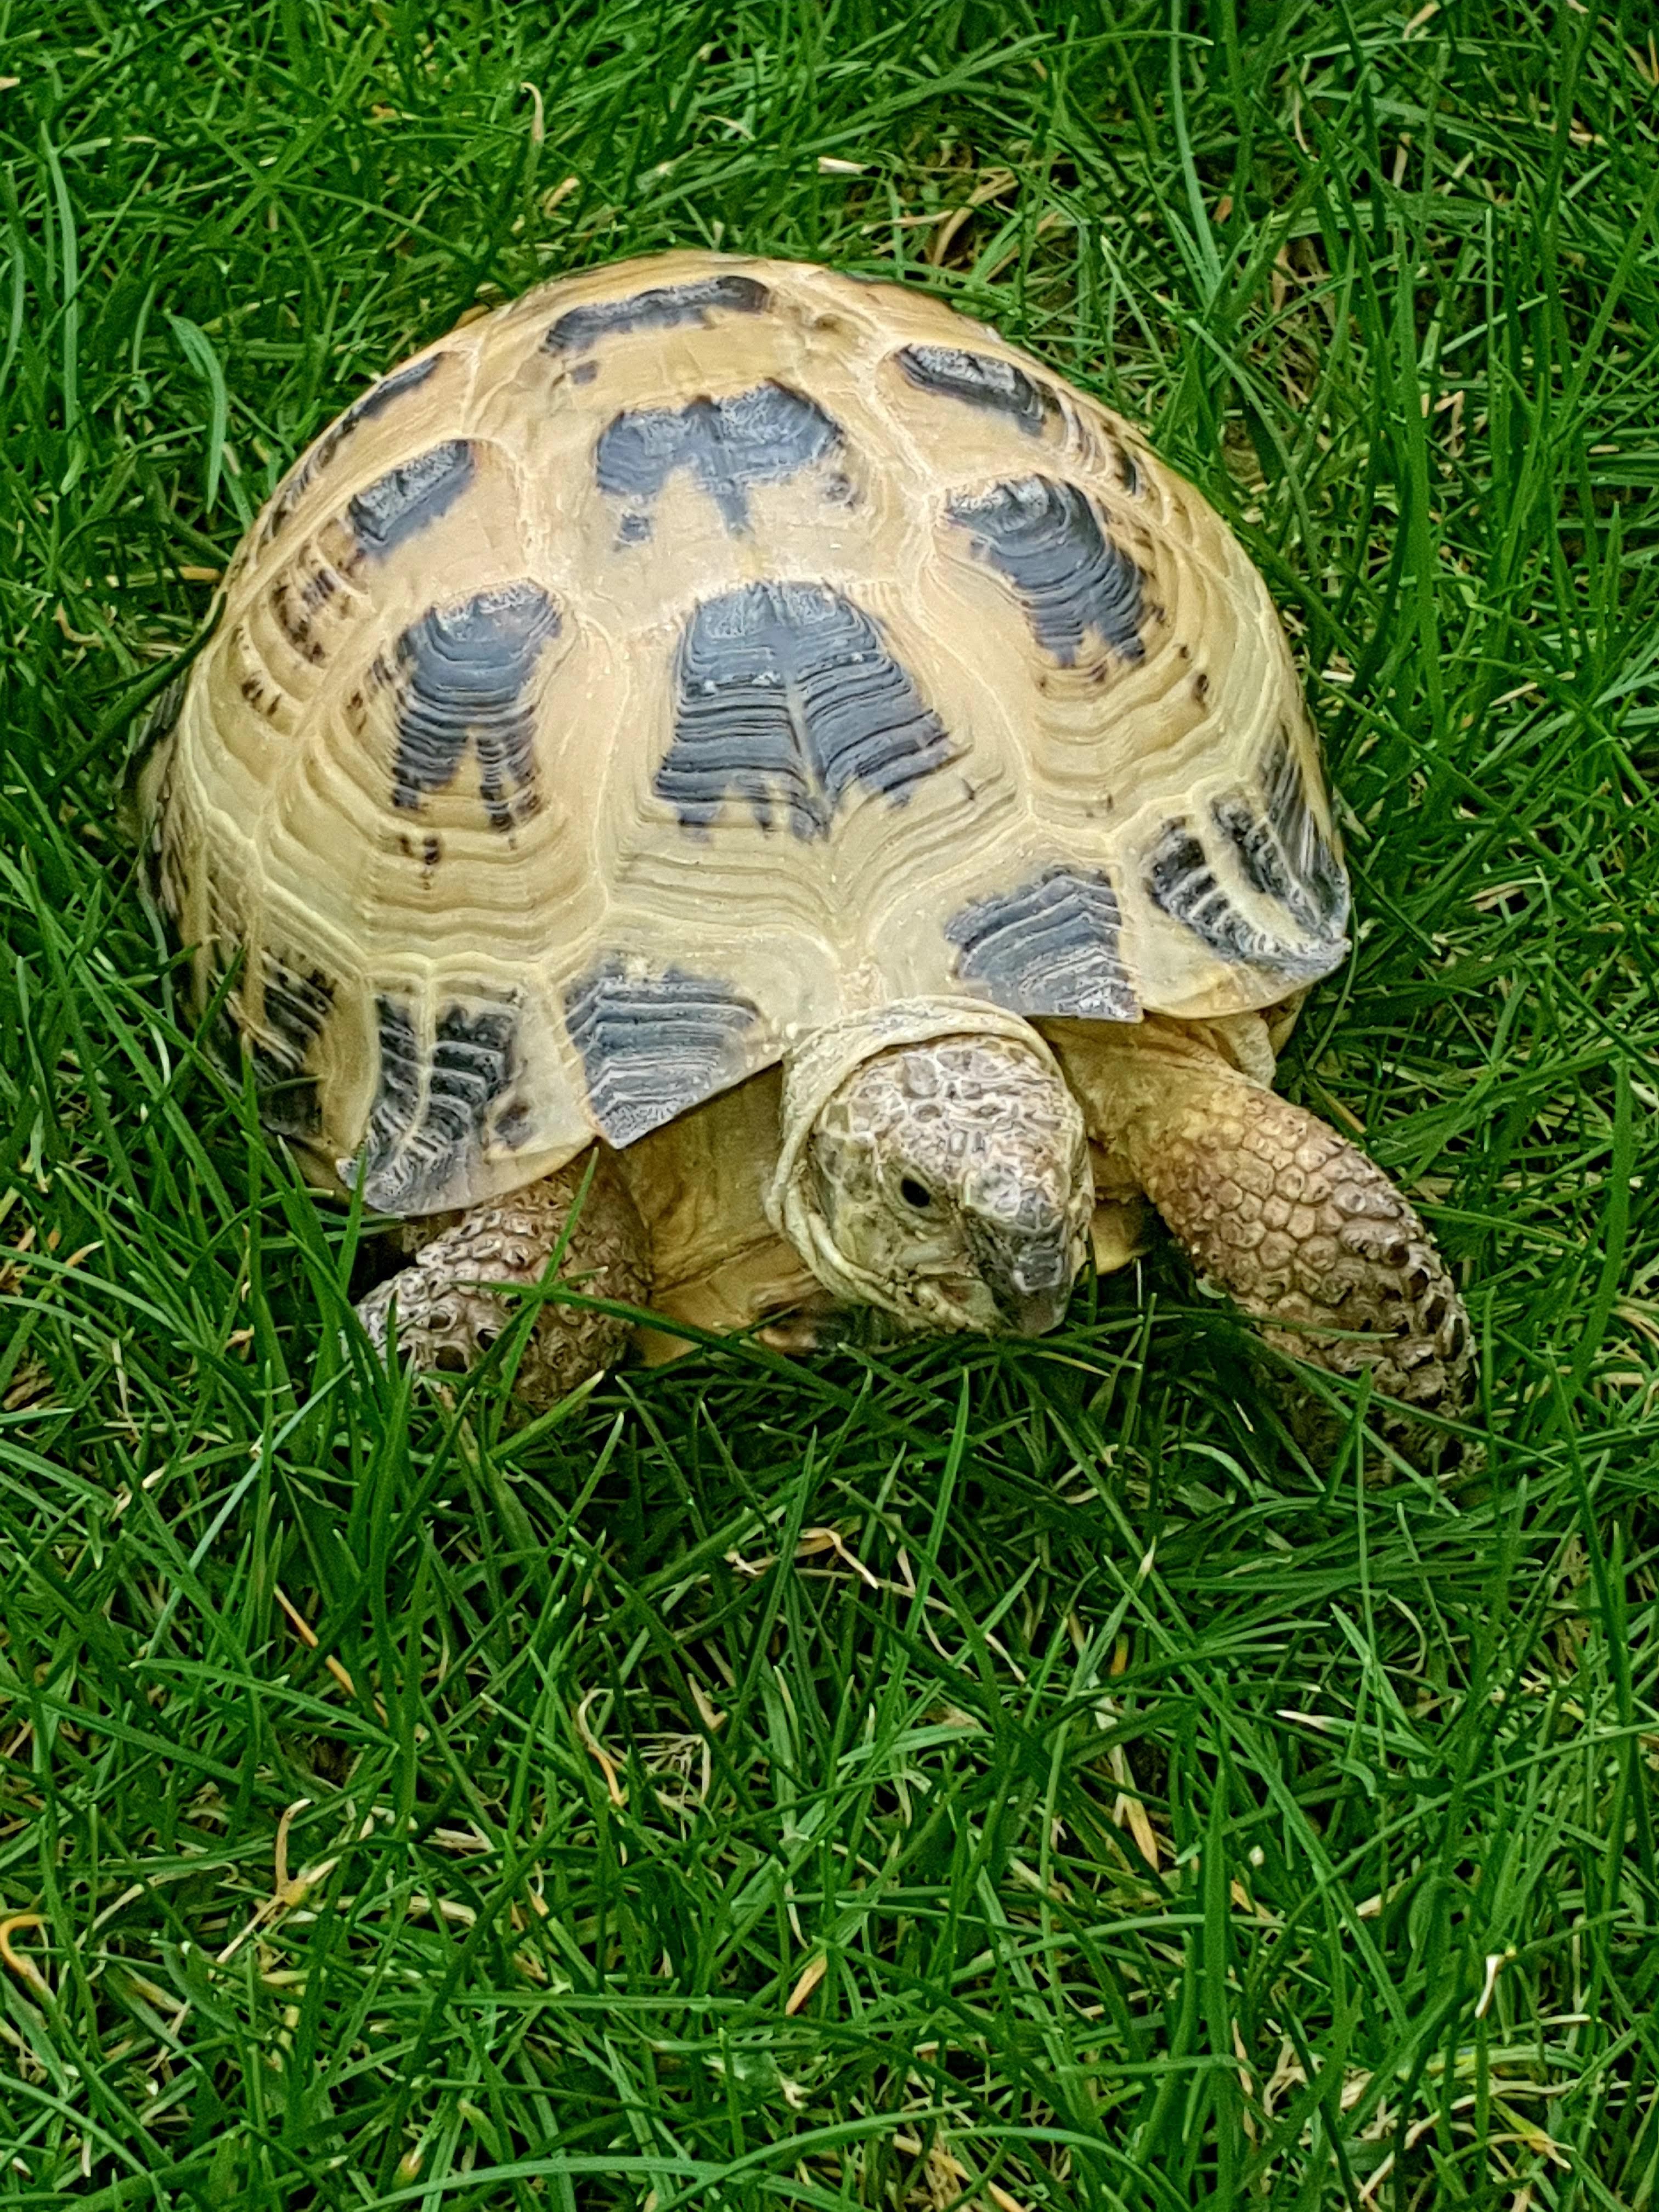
[{"x": 913, "y": 1193}]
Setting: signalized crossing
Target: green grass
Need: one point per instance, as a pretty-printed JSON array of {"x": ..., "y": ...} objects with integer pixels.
[{"x": 606, "y": 1733}]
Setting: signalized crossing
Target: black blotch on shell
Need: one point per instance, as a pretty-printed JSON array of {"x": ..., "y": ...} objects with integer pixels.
[
  {"x": 660, "y": 306},
  {"x": 297, "y": 1005},
  {"x": 786, "y": 698},
  {"x": 373, "y": 402},
  {"x": 408, "y": 499},
  {"x": 1182, "y": 883},
  {"x": 653, "y": 1046},
  {"x": 1284, "y": 853},
  {"x": 463, "y": 673},
  {"x": 296, "y": 598},
  {"x": 982, "y": 381},
  {"x": 418, "y": 1147},
  {"x": 1046, "y": 538},
  {"x": 1050, "y": 947},
  {"x": 764, "y": 435}
]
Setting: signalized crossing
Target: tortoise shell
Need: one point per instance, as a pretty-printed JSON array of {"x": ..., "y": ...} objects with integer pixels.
[{"x": 693, "y": 652}]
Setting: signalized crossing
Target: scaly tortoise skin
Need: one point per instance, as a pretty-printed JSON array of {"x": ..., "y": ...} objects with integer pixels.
[{"x": 764, "y": 725}]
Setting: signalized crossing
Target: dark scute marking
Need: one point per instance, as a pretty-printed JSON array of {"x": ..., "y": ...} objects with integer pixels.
[
  {"x": 654, "y": 1046},
  {"x": 379, "y": 396},
  {"x": 1049, "y": 947},
  {"x": 391, "y": 510},
  {"x": 397, "y": 1091},
  {"x": 295, "y": 599},
  {"x": 514, "y": 1123},
  {"x": 981, "y": 380},
  {"x": 1046, "y": 538},
  {"x": 415, "y": 1152},
  {"x": 659, "y": 308},
  {"x": 374, "y": 401},
  {"x": 295, "y": 1008},
  {"x": 760, "y": 436},
  {"x": 159, "y": 717},
  {"x": 1180, "y": 882},
  {"x": 462, "y": 672},
  {"x": 1284, "y": 853},
  {"x": 787, "y": 697},
  {"x": 1128, "y": 471}
]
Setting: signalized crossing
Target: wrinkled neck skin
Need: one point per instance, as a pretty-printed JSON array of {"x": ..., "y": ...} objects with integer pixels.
[{"x": 934, "y": 1165}]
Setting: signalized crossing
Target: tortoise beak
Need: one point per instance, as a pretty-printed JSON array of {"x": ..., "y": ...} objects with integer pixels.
[{"x": 1027, "y": 1267}]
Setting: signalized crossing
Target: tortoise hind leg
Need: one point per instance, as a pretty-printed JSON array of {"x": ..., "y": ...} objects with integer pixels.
[{"x": 448, "y": 1313}]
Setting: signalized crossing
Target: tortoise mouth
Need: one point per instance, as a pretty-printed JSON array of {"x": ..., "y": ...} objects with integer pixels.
[{"x": 1028, "y": 1272}]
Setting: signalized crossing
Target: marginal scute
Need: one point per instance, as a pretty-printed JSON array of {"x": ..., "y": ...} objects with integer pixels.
[
  {"x": 296, "y": 1003},
  {"x": 424, "y": 1136},
  {"x": 409, "y": 498},
  {"x": 464, "y": 672},
  {"x": 1047, "y": 539},
  {"x": 764, "y": 435},
  {"x": 1284, "y": 853},
  {"x": 397, "y": 1093},
  {"x": 786, "y": 698},
  {"x": 373, "y": 402},
  {"x": 660, "y": 307},
  {"x": 1181, "y": 882},
  {"x": 1050, "y": 947},
  {"x": 982, "y": 381},
  {"x": 654, "y": 1044},
  {"x": 293, "y": 610}
]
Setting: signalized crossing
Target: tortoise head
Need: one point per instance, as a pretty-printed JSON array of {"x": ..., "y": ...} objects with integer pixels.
[{"x": 942, "y": 1176}]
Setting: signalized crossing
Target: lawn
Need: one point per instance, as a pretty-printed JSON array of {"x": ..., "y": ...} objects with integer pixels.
[{"x": 1018, "y": 1773}]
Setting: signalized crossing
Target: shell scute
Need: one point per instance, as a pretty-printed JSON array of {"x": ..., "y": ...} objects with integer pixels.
[
  {"x": 788, "y": 697},
  {"x": 1048, "y": 540},
  {"x": 1049, "y": 947},
  {"x": 464, "y": 672},
  {"x": 653, "y": 1045},
  {"x": 659, "y": 307},
  {"x": 764, "y": 435},
  {"x": 432, "y": 1110}
]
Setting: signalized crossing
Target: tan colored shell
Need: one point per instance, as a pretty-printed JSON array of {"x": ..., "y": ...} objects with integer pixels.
[{"x": 697, "y": 650}]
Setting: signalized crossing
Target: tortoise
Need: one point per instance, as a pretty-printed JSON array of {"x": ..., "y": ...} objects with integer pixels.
[{"x": 749, "y": 749}]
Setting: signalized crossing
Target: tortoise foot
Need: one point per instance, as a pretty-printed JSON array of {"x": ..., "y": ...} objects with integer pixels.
[{"x": 448, "y": 1305}]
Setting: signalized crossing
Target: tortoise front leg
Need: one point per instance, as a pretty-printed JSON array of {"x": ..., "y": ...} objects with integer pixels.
[
  {"x": 448, "y": 1314},
  {"x": 1293, "y": 1222}
]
